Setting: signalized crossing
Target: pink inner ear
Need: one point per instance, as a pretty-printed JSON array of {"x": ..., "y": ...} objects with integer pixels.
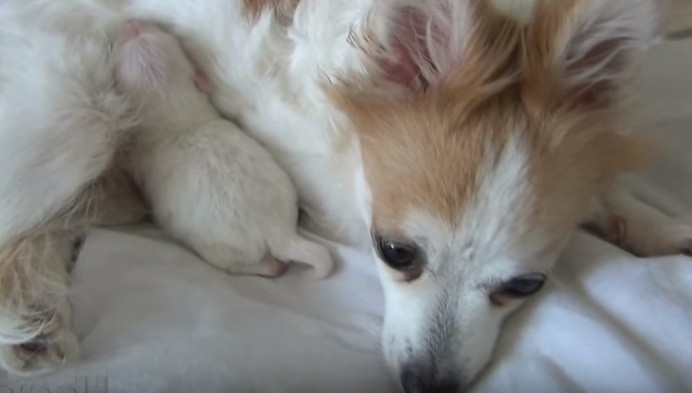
[
  {"x": 203, "y": 83},
  {"x": 605, "y": 62},
  {"x": 403, "y": 70},
  {"x": 409, "y": 48},
  {"x": 420, "y": 47}
]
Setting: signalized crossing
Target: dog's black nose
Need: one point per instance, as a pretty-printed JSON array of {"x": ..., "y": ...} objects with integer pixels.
[{"x": 416, "y": 382}]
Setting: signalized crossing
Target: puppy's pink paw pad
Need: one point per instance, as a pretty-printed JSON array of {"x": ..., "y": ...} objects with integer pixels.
[
  {"x": 267, "y": 267},
  {"x": 276, "y": 267},
  {"x": 203, "y": 83}
]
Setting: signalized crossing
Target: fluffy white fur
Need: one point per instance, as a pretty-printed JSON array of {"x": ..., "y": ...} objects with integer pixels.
[
  {"x": 60, "y": 122},
  {"x": 268, "y": 75},
  {"x": 60, "y": 118}
]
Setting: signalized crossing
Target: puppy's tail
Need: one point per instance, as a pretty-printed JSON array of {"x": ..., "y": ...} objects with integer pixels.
[{"x": 298, "y": 249}]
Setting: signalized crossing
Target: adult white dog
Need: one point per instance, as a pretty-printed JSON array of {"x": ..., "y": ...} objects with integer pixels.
[{"x": 463, "y": 147}]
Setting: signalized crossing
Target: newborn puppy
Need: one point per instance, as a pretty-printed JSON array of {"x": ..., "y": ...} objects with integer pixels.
[{"x": 209, "y": 185}]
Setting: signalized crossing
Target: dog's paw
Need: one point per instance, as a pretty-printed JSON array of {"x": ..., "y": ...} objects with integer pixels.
[
  {"x": 55, "y": 345},
  {"x": 648, "y": 238},
  {"x": 639, "y": 228}
]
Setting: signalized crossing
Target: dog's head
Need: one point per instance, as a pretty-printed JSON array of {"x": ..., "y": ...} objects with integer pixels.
[{"x": 483, "y": 143}]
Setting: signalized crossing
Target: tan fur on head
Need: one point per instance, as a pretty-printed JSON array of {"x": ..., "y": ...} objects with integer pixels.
[{"x": 425, "y": 146}]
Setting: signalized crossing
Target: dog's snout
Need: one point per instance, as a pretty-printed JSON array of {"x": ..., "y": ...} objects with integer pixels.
[{"x": 417, "y": 380}]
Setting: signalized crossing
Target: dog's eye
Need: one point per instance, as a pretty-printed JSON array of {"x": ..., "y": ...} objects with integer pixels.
[
  {"x": 518, "y": 287},
  {"x": 397, "y": 255}
]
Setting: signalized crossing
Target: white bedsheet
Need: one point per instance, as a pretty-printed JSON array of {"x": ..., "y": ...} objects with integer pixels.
[{"x": 152, "y": 318}]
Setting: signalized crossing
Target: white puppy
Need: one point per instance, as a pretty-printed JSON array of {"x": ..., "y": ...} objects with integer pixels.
[{"x": 211, "y": 186}]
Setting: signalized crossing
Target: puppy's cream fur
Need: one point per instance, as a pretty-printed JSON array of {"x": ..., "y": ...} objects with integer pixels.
[{"x": 209, "y": 185}]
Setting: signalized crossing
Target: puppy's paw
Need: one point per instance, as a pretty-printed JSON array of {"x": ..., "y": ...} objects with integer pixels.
[
  {"x": 301, "y": 250},
  {"x": 55, "y": 345},
  {"x": 268, "y": 267}
]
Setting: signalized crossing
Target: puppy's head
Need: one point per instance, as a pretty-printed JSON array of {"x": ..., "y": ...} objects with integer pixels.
[
  {"x": 483, "y": 143},
  {"x": 151, "y": 64}
]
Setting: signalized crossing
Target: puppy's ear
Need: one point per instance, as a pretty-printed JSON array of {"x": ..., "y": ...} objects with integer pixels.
[
  {"x": 581, "y": 50},
  {"x": 138, "y": 62}
]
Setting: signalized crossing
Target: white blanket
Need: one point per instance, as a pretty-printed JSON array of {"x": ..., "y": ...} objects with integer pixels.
[{"x": 153, "y": 318}]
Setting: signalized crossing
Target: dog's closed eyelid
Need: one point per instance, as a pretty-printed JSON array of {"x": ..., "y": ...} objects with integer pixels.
[{"x": 519, "y": 287}]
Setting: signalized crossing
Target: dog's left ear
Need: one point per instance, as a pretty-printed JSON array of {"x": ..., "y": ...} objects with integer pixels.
[{"x": 580, "y": 50}]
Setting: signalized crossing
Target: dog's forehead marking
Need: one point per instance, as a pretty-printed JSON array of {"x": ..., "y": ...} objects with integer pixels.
[
  {"x": 421, "y": 154},
  {"x": 488, "y": 222}
]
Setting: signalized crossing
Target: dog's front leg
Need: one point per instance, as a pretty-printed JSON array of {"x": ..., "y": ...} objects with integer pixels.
[
  {"x": 35, "y": 331},
  {"x": 35, "y": 317},
  {"x": 638, "y": 227}
]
